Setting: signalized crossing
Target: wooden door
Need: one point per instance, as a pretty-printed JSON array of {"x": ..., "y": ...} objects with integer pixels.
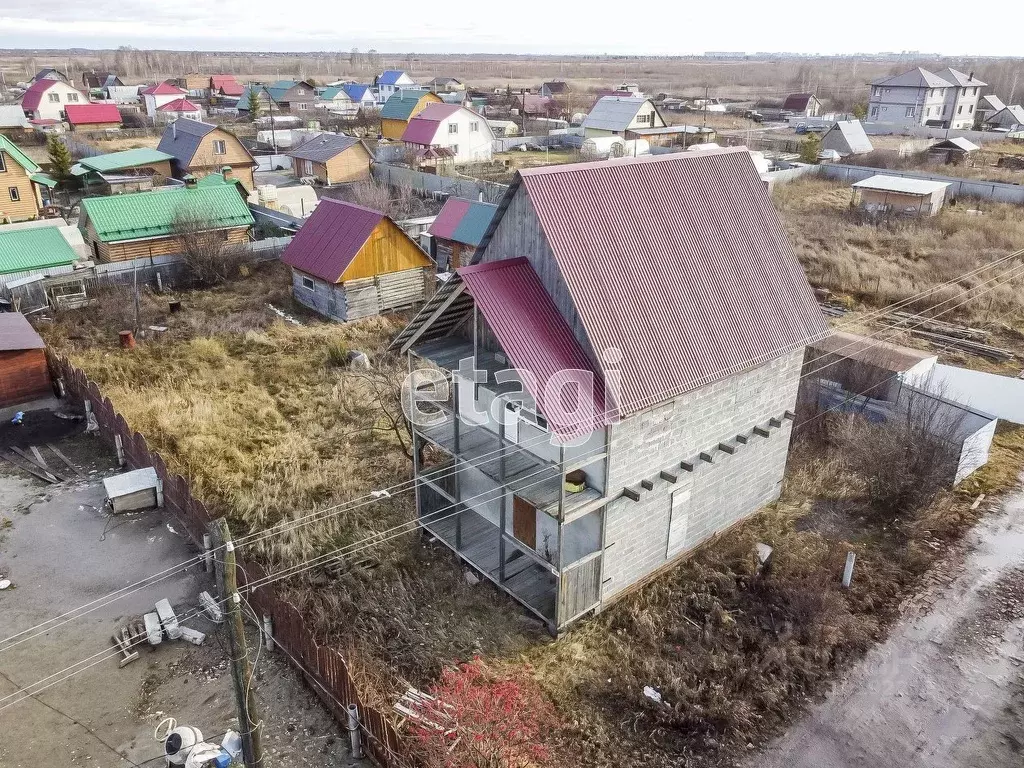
[{"x": 524, "y": 521}]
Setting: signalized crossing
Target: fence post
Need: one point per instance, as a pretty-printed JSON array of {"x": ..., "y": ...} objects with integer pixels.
[
  {"x": 355, "y": 737},
  {"x": 120, "y": 450}
]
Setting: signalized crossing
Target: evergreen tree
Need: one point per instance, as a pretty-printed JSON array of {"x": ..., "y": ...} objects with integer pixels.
[
  {"x": 254, "y": 103},
  {"x": 60, "y": 158},
  {"x": 809, "y": 148}
]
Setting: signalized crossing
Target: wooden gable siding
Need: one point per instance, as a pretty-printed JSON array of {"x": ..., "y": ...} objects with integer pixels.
[
  {"x": 27, "y": 207},
  {"x": 351, "y": 165},
  {"x": 388, "y": 249},
  {"x": 24, "y": 376},
  {"x": 154, "y": 246},
  {"x": 393, "y": 129},
  {"x": 204, "y": 161}
]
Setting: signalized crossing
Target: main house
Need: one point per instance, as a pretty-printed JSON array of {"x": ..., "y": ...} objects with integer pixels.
[
  {"x": 24, "y": 188},
  {"x": 802, "y": 104},
  {"x": 147, "y": 224},
  {"x": 350, "y": 262},
  {"x": 618, "y": 374},
  {"x": 946, "y": 99},
  {"x": 47, "y": 99},
  {"x": 461, "y": 133},
  {"x": 614, "y": 115},
  {"x": 404, "y": 105},
  {"x": 336, "y": 100},
  {"x": 200, "y": 149}
]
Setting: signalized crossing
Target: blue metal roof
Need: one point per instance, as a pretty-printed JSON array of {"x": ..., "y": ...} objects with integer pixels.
[
  {"x": 389, "y": 77},
  {"x": 357, "y": 92}
]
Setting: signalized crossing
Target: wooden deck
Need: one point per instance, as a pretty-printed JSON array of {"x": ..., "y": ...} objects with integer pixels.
[{"x": 527, "y": 580}]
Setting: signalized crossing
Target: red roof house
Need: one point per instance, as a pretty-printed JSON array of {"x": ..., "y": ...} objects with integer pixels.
[
  {"x": 163, "y": 89},
  {"x": 46, "y": 99},
  {"x": 93, "y": 116},
  {"x": 225, "y": 85},
  {"x": 179, "y": 108},
  {"x": 349, "y": 261},
  {"x": 453, "y": 127}
]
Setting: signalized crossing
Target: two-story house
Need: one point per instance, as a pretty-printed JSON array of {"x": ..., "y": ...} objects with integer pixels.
[
  {"x": 463, "y": 134},
  {"x": 614, "y": 115},
  {"x": 24, "y": 188},
  {"x": 612, "y": 381},
  {"x": 200, "y": 149},
  {"x": 389, "y": 81},
  {"x": 947, "y": 99},
  {"x": 47, "y": 99},
  {"x": 155, "y": 96},
  {"x": 295, "y": 96},
  {"x": 401, "y": 108}
]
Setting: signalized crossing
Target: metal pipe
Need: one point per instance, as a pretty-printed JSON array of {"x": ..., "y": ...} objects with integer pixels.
[
  {"x": 354, "y": 734},
  {"x": 268, "y": 632}
]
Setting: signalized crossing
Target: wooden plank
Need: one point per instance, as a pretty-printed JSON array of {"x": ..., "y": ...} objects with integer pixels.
[
  {"x": 39, "y": 457},
  {"x": 31, "y": 460},
  {"x": 60, "y": 455},
  {"x": 34, "y": 472}
]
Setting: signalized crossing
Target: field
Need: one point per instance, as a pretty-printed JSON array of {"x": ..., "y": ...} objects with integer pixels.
[{"x": 270, "y": 423}]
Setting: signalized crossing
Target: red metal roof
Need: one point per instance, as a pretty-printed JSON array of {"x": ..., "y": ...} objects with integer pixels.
[
  {"x": 178, "y": 105},
  {"x": 33, "y": 95},
  {"x": 539, "y": 344},
  {"x": 330, "y": 239},
  {"x": 678, "y": 261},
  {"x": 226, "y": 83},
  {"x": 797, "y": 102},
  {"x": 422, "y": 129},
  {"x": 16, "y": 333},
  {"x": 163, "y": 89},
  {"x": 449, "y": 217},
  {"x": 90, "y": 114}
]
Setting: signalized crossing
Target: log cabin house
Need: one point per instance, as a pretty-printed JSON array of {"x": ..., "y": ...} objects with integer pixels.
[
  {"x": 331, "y": 159},
  {"x": 200, "y": 149},
  {"x": 24, "y": 188}
]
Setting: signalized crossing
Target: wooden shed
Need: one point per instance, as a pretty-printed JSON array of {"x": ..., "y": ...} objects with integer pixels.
[
  {"x": 24, "y": 374},
  {"x": 332, "y": 159},
  {"x": 882, "y": 195},
  {"x": 350, "y": 262}
]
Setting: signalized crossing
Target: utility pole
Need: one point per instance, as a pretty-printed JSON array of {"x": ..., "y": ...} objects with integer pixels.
[
  {"x": 248, "y": 719},
  {"x": 704, "y": 120},
  {"x": 273, "y": 133}
]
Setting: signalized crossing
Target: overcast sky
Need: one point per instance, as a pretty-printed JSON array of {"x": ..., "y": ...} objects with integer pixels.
[{"x": 526, "y": 26}]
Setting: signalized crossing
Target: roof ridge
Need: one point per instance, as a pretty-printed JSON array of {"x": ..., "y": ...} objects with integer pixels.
[
  {"x": 491, "y": 266},
  {"x": 347, "y": 204},
  {"x": 545, "y": 170}
]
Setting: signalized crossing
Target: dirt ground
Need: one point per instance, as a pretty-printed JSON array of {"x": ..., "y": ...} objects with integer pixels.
[
  {"x": 60, "y": 551},
  {"x": 947, "y": 687}
]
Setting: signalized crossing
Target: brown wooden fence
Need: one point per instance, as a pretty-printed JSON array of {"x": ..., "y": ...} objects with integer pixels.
[{"x": 324, "y": 668}]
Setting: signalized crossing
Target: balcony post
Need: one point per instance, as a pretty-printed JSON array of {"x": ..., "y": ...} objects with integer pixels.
[
  {"x": 504, "y": 496},
  {"x": 456, "y": 490}
]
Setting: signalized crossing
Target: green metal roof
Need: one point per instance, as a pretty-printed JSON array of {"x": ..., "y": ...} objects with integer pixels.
[
  {"x": 8, "y": 146},
  {"x": 401, "y": 103},
  {"x": 127, "y": 159},
  {"x": 42, "y": 178},
  {"x": 23, "y": 250},
  {"x": 152, "y": 214}
]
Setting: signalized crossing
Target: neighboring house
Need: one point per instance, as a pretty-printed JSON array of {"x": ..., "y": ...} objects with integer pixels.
[
  {"x": 555, "y": 89},
  {"x": 172, "y": 110},
  {"x": 28, "y": 252},
  {"x": 882, "y": 195},
  {"x": 1009, "y": 118},
  {"x": 46, "y": 99},
  {"x": 100, "y": 80},
  {"x": 24, "y": 188},
  {"x": 614, "y": 115},
  {"x": 630, "y": 410},
  {"x": 534, "y": 106},
  {"x": 295, "y": 96},
  {"x": 389, "y": 81},
  {"x": 132, "y": 170},
  {"x": 335, "y": 99},
  {"x": 225, "y": 88},
  {"x": 262, "y": 97},
  {"x": 458, "y": 231},
  {"x": 362, "y": 95},
  {"x": 445, "y": 85},
  {"x": 803, "y": 104},
  {"x": 13, "y": 121},
  {"x": 464, "y": 133},
  {"x": 147, "y": 224},
  {"x": 200, "y": 149},
  {"x": 155, "y": 96},
  {"x": 24, "y": 372},
  {"x": 49, "y": 73},
  {"x": 947, "y": 99},
  {"x": 403, "y": 105},
  {"x": 847, "y": 137},
  {"x": 93, "y": 117},
  {"x": 124, "y": 94},
  {"x": 988, "y": 105},
  {"x": 350, "y": 262},
  {"x": 504, "y": 128},
  {"x": 955, "y": 151},
  {"x": 331, "y": 159}
]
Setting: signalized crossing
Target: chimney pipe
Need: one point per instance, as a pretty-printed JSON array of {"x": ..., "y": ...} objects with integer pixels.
[
  {"x": 970, "y": 76},
  {"x": 225, "y": 171},
  {"x": 190, "y": 181},
  {"x": 174, "y": 131}
]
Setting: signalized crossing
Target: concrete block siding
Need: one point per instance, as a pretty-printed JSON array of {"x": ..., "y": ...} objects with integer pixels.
[{"x": 721, "y": 493}]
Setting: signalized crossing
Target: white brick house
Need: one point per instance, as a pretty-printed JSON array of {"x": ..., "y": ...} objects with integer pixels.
[{"x": 568, "y": 494}]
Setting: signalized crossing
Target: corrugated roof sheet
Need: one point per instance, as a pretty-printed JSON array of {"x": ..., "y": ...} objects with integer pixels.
[
  {"x": 90, "y": 114},
  {"x": 422, "y": 129},
  {"x": 33, "y": 95},
  {"x": 153, "y": 214},
  {"x": 331, "y": 238},
  {"x": 797, "y": 102},
  {"x": 537, "y": 340},
  {"x": 901, "y": 184},
  {"x": 183, "y": 137},
  {"x": 358, "y": 92},
  {"x": 914, "y": 78},
  {"x": 680, "y": 262},
  {"x": 852, "y": 140},
  {"x": 163, "y": 89},
  {"x": 226, "y": 84},
  {"x": 557, "y": 86},
  {"x": 613, "y": 113},
  {"x": 959, "y": 142},
  {"x": 390, "y": 77},
  {"x": 27, "y": 249},
  {"x": 178, "y": 105},
  {"x": 123, "y": 93},
  {"x": 12, "y": 116},
  {"x": 17, "y": 333},
  {"x": 463, "y": 221},
  {"x": 127, "y": 159},
  {"x": 994, "y": 102},
  {"x": 322, "y": 148},
  {"x": 401, "y": 104}
]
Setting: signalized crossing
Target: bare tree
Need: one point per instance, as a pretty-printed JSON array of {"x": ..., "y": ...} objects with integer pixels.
[{"x": 204, "y": 247}]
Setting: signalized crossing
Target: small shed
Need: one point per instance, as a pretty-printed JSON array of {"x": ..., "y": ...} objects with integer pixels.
[
  {"x": 350, "y": 262},
  {"x": 955, "y": 151},
  {"x": 899, "y": 196},
  {"x": 24, "y": 374},
  {"x": 133, "y": 491},
  {"x": 847, "y": 137},
  {"x": 93, "y": 117},
  {"x": 458, "y": 230},
  {"x": 331, "y": 159}
]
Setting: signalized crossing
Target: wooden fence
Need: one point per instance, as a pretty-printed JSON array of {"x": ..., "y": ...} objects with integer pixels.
[{"x": 324, "y": 668}]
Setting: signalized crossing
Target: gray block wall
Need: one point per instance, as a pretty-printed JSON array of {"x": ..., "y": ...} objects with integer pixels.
[
  {"x": 325, "y": 298},
  {"x": 721, "y": 493}
]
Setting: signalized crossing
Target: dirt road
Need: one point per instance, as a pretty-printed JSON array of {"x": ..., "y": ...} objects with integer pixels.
[{"x": 947, "y": 688}]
